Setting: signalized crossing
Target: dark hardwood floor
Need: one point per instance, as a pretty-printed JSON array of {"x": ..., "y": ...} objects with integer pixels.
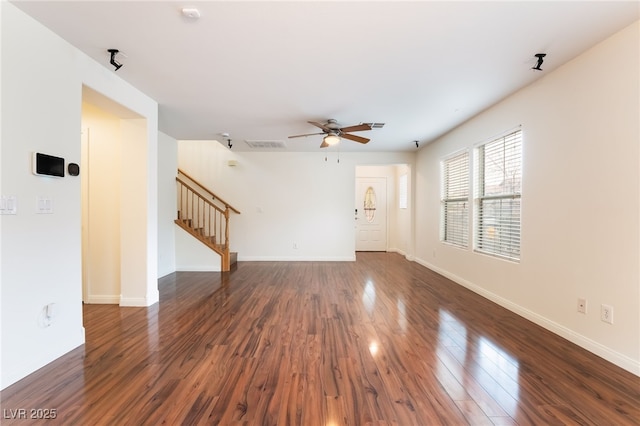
[{"x": 377, "y": 341}]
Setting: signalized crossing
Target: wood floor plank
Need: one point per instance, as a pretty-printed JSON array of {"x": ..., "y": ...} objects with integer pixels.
[
  {"x": 354, "y": 392},
  {"x": 473, "y": 413},
  {"x": 482, "y": 398},
  {"x": 378, "y": 341},
  {"x": 313, "y": 406}
]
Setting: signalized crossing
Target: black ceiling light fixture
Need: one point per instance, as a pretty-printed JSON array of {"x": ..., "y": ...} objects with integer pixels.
[
  {"x": 113, "y": 61},
  {"x": 228, "y": 139},
  {"x": 540, "y": 57}
]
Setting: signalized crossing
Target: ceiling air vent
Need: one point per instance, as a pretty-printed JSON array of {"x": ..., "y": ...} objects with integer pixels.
[
  {"x": 266, "y": 144},
  {"x": 375, "y": 125}
]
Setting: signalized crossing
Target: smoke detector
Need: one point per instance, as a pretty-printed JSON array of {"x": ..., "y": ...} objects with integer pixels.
[{"x": 191, "y": 13}]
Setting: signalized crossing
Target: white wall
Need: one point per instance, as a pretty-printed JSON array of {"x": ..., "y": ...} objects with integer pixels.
[
  {"x": 42, "y": 80},
  {"x": 167, "y": 168},
  {"x": 138, "y": 216},
  {"x": 402, "y": 219},
  {"x": 101, "y": 198},
  {"x": 580, "y": 203},
  {"x": 192, "y": 255},
  {"x": 284, "y": 198}
]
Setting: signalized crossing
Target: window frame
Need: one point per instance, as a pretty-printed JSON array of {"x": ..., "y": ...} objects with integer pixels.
[
  {"x": 501, "y": 208},
  {"x": 456, "y": 232}
]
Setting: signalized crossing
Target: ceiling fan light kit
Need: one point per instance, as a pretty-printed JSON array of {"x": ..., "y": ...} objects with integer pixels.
[{"x": 331, "y": 139}]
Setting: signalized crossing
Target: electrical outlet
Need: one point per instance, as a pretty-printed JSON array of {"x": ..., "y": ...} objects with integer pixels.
[
  {"x": 582, "y": 306},
  {"x": 606, "y": 313}
]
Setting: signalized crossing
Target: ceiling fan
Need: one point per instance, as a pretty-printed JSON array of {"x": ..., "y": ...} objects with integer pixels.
[{"x": 333, "y": 132}]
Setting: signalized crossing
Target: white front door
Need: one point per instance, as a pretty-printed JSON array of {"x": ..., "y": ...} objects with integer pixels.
[{"x": 371, "y": 214}]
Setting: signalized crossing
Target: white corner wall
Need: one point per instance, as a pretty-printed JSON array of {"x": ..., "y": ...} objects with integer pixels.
[
  {"x": 42, "y": 79},
  {"x": 101, "y": 183},
  {"x": 402, "y": 219},
  {"x": 285, "y": 198},
  {"x": 138, "y": 216},
  {"x": 167, "y": 169},
  {"x": 580, "y": 203}
]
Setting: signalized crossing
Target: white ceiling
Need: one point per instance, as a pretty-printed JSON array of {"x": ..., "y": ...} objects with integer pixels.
[{"x": 259, "y": 70}]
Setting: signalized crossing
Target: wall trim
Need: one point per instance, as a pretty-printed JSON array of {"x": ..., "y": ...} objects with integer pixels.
[
  {"x": 103, "y": 299},
  {"x": 407, "y": 256},
  {"x": 136, "y": 302},
  {"x": 590, "y": 345},
  {"x": 197, "y": 269},
  {"x": 297, "y": 259}
]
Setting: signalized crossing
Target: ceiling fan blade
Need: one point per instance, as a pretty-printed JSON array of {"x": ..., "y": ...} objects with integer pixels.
[
  {"x": 356, "y": 128},
  {"x": 320, "y": 125},
  {"x": 308, "y": 134},
  {"x": 354, "y": 138}
]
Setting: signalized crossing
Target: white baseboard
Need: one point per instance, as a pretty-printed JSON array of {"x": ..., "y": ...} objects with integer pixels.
[
  {"x": 409, "y": 257},
  {"x": 198, "y": 268},
  {"x": 621, "y": 360},
  {"x": 296, "y": 259},
  {"x": 103, "y": 299},
  {"x": 168, "y": 273},
  {"x": 141, "y": 302},
  {"x": 108, "y": 299}
]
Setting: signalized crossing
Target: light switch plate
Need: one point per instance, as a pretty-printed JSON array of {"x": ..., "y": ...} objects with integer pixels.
[
  {"x": 44, "y": 205},
  {"x": 8, "y": 204}
]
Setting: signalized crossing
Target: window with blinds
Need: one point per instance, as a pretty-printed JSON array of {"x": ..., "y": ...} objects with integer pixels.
[
  {"x": 497, "y": 203},
  {"x": 455, "y": 200}
]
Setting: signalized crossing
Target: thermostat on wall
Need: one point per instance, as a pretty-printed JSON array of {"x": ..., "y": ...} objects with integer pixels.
[{"x": 73, "y": 169}]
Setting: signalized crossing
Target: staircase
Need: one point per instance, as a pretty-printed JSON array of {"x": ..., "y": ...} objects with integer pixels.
[{"x": 205, "y": 216}]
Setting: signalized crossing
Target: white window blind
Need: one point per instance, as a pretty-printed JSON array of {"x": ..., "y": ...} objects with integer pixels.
[
  {"x": 402, "y": 191},
  {"x": 499, "y": 182},
  {"x": 455, "y": 200}
]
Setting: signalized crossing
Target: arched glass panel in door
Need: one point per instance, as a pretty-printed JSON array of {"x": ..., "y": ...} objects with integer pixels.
[{"x": 370, "y": 204}]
